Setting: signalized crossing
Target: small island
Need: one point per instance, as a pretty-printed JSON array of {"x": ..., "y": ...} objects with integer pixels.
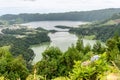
[{"x": 62, "y": 27}]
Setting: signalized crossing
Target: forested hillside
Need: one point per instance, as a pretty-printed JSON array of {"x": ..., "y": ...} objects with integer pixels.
[
  {"x": 20, "y": 41},
  {"x": 95, "y": 15},
  {"x": 101, "y": 30}
]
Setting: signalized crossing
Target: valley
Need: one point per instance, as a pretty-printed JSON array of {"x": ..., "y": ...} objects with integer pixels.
[{"x": 60, "y": 46}]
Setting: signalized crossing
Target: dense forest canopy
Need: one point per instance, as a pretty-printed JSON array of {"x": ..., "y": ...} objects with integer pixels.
[{"x": 95, "y": 15}]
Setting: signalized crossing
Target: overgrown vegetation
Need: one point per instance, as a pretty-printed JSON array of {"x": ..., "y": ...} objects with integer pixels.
[
  {"x": 21, "y": 46},
  {"x": 12, "y": 68},
  {"x": 76, "y": 63}
]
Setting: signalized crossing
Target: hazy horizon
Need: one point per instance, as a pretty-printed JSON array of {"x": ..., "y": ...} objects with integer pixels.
[{"x": 54, "y": 6}]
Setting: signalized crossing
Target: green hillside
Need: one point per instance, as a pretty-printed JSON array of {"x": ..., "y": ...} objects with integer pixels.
[
  {"x": 102, "y": 30},
  {"x": 95, "y": 15}
]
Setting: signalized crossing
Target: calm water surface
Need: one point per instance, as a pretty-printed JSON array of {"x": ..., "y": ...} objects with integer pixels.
[
  {"x": 63, "y": 40},
  {"x": 49, "y": 25}
]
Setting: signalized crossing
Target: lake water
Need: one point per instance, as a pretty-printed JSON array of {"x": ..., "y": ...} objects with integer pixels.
[
  {"x": 62, "y": 40},
  {"x": 49, "y": 25}
]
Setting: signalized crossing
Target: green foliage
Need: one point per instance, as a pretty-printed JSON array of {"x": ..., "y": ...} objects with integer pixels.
[
  {"x": 113, "y": 50},
  {"x": 15, "y": 68},
  {"x": 87, "y": 48},
  {"x": 81, "y": 48},
  {"x": 61, "y": 78},
  {"x": 52, "y": 53},
  {"x": 67, "y": 60},
  {"x": 55, "y": 64},
  {"x": 48, "y": 66},
  {"x": 10, "y": 67},
  {"x": 89, "y": 72},
  {"x": 41, "y": 29},
  {"x": 6, "y": 39},
  {"x": 98, "y": 48},
  {"x": 15, "y": 32},
  {"x": 91, "y": 37},
  {"x": 115, "y": 16},
  {"x": 19, "y": 20},
  {"x": 3, "y": 78},
  {"x": 37, "y": 38},
  {"x": 38, "y": 77},
  {"x": 87, "y": 56},
  {"x": 79, "y": 45},
  {"x": 20, "y": 46},
  {"x": 99, "y": 30}
]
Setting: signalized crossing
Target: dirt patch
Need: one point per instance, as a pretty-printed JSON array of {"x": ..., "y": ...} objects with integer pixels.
[{"x": 113, "y": 76}]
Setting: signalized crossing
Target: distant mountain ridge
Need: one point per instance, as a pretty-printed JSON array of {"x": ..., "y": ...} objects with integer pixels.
[{"x": 94, "y": 15}]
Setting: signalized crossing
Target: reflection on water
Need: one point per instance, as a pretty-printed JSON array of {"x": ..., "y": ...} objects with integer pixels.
[
  {"x": 38, "y": 50},
  {"x": 62, "y": 40}
]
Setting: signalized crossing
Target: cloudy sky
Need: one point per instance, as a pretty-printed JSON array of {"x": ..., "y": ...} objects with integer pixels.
[{"x": 50, "y": 6}]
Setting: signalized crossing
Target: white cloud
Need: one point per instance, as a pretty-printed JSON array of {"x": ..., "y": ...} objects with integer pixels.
[{"x": 45, "y": 6}]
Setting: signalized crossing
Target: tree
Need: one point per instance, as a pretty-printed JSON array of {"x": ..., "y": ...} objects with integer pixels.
[
  {"x": 79, "y": 45},
  {"x": 48, "y": 66},
  {"x": 113, "y": 50},
  {"x": 66, "y": 62},
  {"x": 98, "y": 48},
  {"x": 10, "y": 67},
  {"x": 87, "y": 48},
  {"x": 52, "y": 53}
]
